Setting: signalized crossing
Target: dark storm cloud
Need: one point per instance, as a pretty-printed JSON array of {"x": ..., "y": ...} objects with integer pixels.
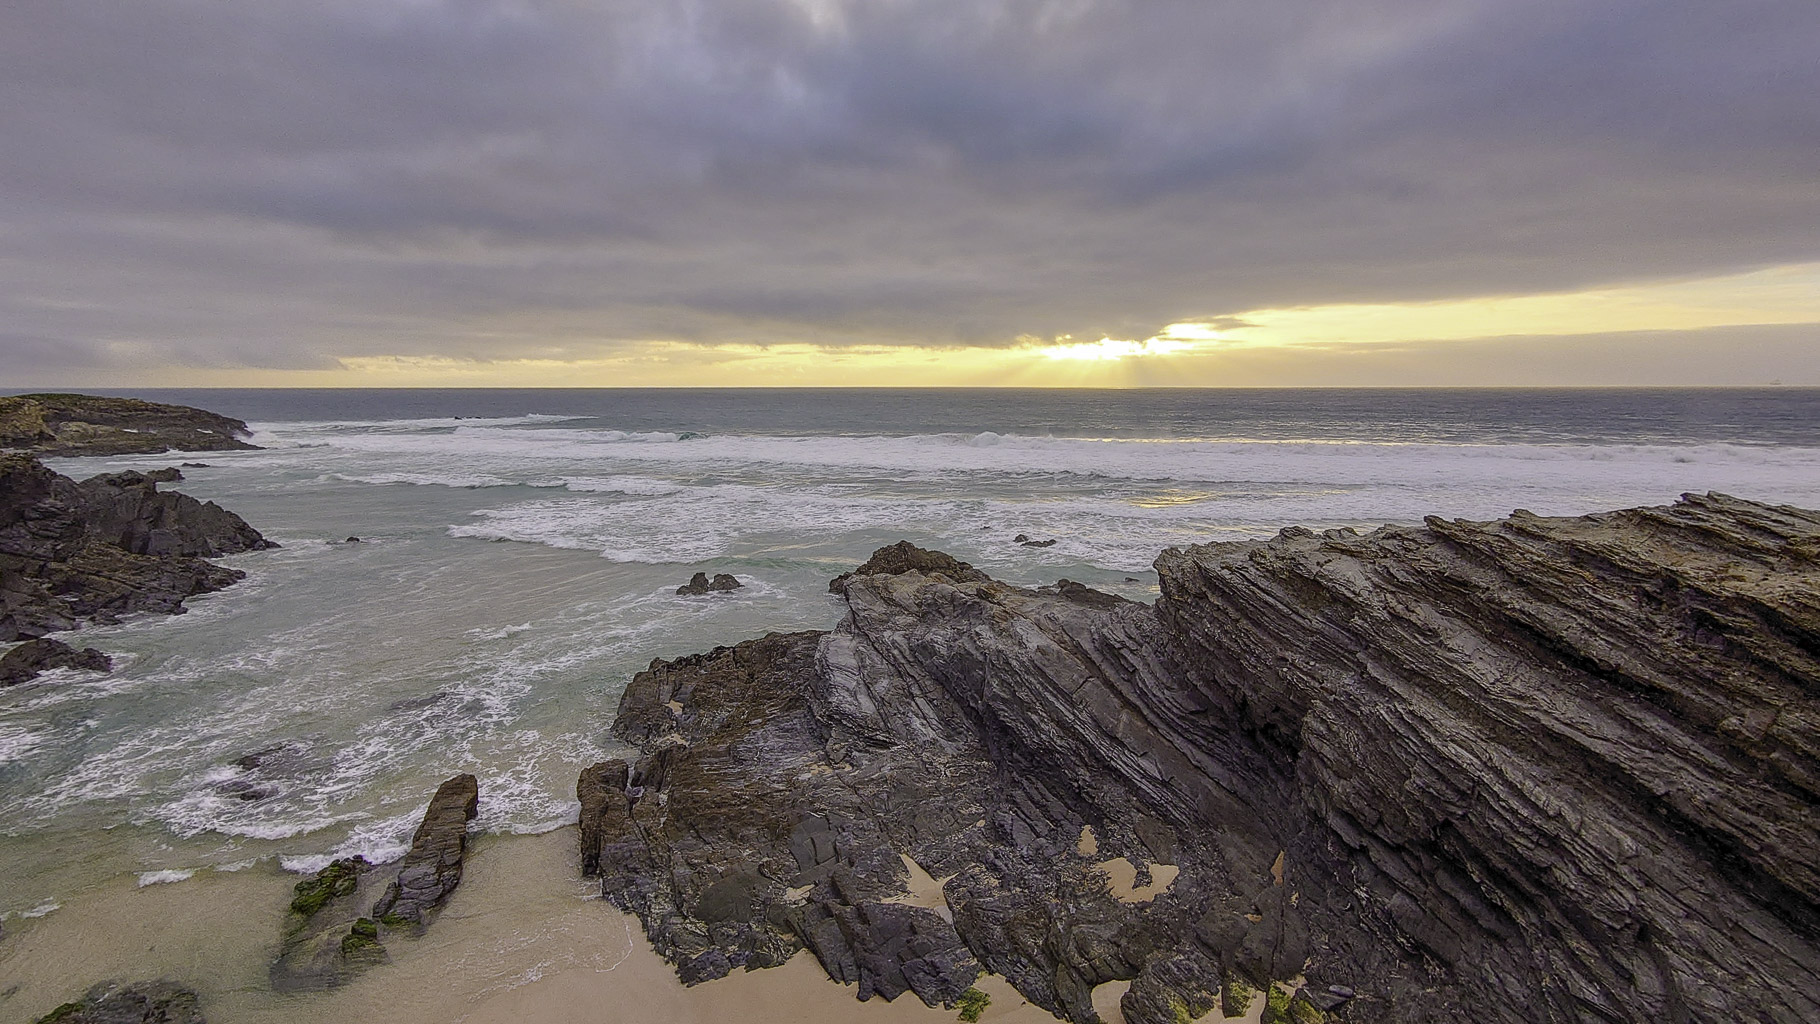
[{"x": 263, "y": 183}]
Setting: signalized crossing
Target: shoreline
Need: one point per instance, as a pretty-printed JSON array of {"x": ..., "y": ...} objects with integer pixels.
[{"x": 521, "y": 940}]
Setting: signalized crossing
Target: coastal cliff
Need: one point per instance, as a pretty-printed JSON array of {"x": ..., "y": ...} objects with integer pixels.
[
  {"x": 1527, "y": 770},
  {"x": 65, "y": 424},
  {"x": 104, "y": 547}
]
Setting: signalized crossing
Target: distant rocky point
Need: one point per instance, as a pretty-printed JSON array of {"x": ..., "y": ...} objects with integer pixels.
[
  {"x": 1532, "y": 770},
  {"x": 113, "y": 544},
  {"x": 64, "y": 424}
]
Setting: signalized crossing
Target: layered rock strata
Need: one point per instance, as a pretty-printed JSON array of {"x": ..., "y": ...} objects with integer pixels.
[
  {"x": 60, "y": 424},
  {"x": 1528, "y": 770},
  {"x": 113, "y": 544},
  {"x": 340, "y": 917}
]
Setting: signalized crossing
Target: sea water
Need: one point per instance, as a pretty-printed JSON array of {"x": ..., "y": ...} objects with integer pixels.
[{"x": 520, "y": 550}]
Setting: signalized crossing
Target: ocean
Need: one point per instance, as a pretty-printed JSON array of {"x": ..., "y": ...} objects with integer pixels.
[{"x": 520, "y": 552}]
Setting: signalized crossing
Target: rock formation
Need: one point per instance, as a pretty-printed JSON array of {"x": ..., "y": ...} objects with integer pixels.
[
  {"x": 148, "y": 1002},
  {"x": 25, "y": 661},
  {"x": 340, "y": 917},
  {"x": 105, "y": 547},
  {"x": 700, "y": 584},
  {"x": 1520, "y": 771},
  {"x": 432, "y": 868},
  {"x": 56, "y": 424}
]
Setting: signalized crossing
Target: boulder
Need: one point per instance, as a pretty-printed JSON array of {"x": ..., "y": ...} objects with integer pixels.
[
  {"x": 700, "y": 584},
  {"x": 24, "y": 662}
]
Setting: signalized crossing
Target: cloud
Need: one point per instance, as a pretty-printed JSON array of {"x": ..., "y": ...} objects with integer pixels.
[{"x": 288, "y": 184}]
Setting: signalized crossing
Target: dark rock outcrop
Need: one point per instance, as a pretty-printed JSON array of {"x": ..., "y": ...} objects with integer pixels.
[
  {"x": 700, "y": 584},
  {"x": 330, "y": 934},
  {"x": 1528, "y": 770},
  {"x": 432, "y": 868},
  {"x": 61, "y": 424},
  {"x": 105, "y": 547},
  {"x": 904, "y": 557},
  {"x": 24, "y": 662},
  {"x": 147, "y": 1002}
]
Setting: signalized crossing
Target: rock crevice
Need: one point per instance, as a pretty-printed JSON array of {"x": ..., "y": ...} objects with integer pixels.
[{"x": 1527, "y": 770}]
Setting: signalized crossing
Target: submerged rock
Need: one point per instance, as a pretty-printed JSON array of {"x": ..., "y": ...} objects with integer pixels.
[
  {"x": 1528, "y": 770},
  {"x": 63, "y": 424},
  {"x": 701, "y": 584},
  {"x": 147, "y": 1002},
  {"x": 24, "y": 662},
  {"x": 105, "y": 547}
]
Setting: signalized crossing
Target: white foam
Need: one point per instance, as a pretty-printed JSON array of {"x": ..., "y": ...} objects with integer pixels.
[
  {"x": 16, "y": 742},
  {"x": 164, "y": 877},
  {"x": 47, "y": 907}
]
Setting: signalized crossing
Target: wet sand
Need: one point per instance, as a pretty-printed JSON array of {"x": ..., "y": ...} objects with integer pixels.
[{"x": 522, "y": 941}]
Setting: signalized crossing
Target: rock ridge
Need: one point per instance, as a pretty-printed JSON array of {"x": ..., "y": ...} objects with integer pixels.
[{"x": 1538, "y": 769}]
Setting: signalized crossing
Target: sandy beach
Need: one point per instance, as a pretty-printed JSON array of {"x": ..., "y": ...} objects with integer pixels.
[{"x": 523, "y": 940}]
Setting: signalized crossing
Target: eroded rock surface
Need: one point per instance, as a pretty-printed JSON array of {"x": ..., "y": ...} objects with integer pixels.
[
  {"x": 1529, "y": 770},
  {"x": 432, "y": 868},
  {"x": 107, "y": 546},
  {"x": 147, "y": 1002},
  {"x": 64, "y": 424},
  {"x": 340, "y": 918}
]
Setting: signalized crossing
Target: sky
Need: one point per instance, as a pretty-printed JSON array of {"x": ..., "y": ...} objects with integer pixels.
[{"x": 909, "y": 192}]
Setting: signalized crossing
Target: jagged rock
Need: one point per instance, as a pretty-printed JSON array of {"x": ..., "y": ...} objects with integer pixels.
[
  {"x": 1038, "y": 543},
  {"x": 62, "y": 424},
  {"x": 1531, "y": 770},
  {"x": 432, "y": 869},
  {"x": 24, "y": 662},
  {"x": 700, "y": 584},
  {"x": 327, "y": 938},
  {"x": 904, "y": 557},
  {"x": 105, "y": 547},
  {"x": 147, "y": 1002}
]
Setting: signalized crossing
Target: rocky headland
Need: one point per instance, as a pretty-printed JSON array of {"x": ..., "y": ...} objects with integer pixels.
[
  {"x": 61, "y": 424},
  {"x": 1538, "y": 769},
  {"x": 92, "y": 551}
]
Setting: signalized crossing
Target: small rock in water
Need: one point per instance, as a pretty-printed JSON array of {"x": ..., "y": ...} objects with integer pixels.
[
  {"x": 1027, "y": 542},
  {"x": 195, "y": 465},
  {"x": 701, "y": 584},
  {"x": 24, "y": 662},
  {"x": 352, "y": 540}
]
